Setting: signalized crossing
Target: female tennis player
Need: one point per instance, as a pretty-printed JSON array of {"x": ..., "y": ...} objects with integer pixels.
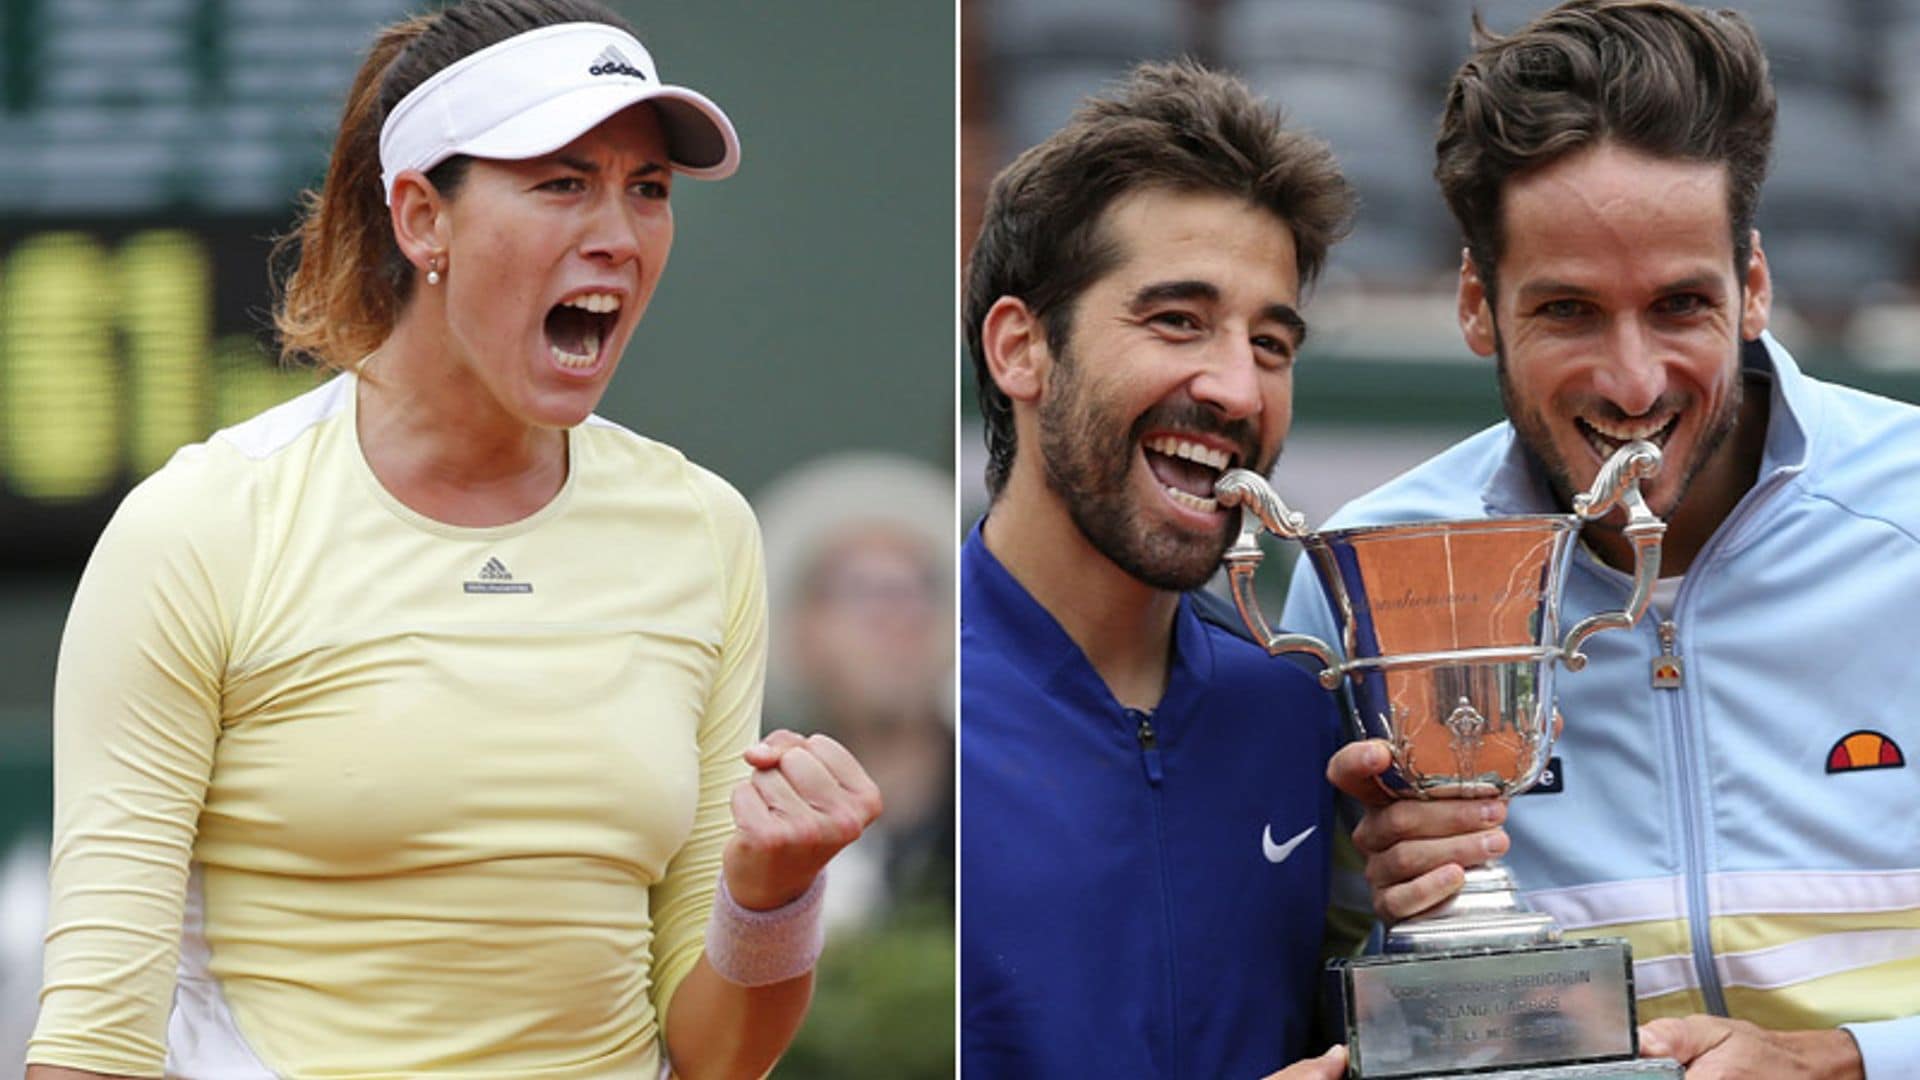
[{"x": 411, "y": 727}]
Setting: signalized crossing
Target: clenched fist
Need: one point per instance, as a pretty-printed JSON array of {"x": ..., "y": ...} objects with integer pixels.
[{"x": 807, "y": 798}]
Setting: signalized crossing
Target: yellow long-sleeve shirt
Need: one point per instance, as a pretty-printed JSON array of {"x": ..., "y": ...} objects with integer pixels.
[{"x": 343, "y": 791}]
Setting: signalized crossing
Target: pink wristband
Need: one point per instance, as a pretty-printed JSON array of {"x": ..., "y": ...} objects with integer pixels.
[{"x": 759, "y": 948}]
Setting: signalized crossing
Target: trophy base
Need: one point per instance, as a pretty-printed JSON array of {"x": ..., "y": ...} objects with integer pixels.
[
  {"x": 1594, "y": 1070},
  {"x": 1527, "y": 1011}
]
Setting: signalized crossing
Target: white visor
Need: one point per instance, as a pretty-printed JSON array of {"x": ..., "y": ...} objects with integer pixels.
[{"x": 536, "y": 92}]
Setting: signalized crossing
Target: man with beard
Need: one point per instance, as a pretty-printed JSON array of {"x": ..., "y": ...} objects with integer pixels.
[
  {"x": 1144, "y": 870},
  {"x": 1733, "y": 796}
]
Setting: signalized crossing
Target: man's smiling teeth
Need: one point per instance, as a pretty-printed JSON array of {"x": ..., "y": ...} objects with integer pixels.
[
  {"x": 598, "y": 303},
  {"x": 1627, "y": 431},
  {"x": 1191, "y": 502},
  {"x": 1191, "y": 451},
  {"x": 1187, "y": 450},
  {"x": 1606, "y": 436}
]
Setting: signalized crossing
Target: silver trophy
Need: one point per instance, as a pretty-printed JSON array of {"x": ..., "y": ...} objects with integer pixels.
[{"x": 1450, "y": 633}]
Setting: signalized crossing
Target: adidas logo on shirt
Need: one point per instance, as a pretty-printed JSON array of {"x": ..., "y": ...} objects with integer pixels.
[
  {"x": 611, "y": 62},
  {"x": 496, "y": 578}
]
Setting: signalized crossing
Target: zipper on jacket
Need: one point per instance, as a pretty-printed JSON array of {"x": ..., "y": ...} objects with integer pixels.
[
  {"x": 1669, "y": 669},
  {"x": 1699, "y": 913},
  {"x": 1149, "y": 745},
  {"x": 1150, "y": 757}
]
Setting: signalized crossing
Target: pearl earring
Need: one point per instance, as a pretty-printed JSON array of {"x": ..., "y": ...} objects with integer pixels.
[{"x": 433, "y": 271}]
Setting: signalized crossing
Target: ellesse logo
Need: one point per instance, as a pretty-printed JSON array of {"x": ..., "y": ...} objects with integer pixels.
[
  {"x": 1553, "y": 779},
  {"x": 1860, "y": 750}
]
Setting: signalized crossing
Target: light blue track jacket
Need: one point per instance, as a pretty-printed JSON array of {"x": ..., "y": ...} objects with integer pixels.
[{"x": 1731, "y": 828}]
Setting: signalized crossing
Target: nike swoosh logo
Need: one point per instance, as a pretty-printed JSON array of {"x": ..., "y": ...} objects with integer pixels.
[{"x": 1278, "y": 852}]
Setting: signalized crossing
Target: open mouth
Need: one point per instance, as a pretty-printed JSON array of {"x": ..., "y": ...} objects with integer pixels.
[
  {"x": 1606, "y": 437},
  {"x": 1187, "y": 470},
  {"x": 578, "y": 326}
]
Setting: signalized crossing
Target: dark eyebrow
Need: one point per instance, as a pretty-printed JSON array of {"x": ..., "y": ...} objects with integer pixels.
[
  {"x": 1693, "y": 283},
  {"x": 1703, "y": 282},
  {"x": 1564, "y": 289},
  {"x": 591, "y": 168},
  {"x": 1160, "y": 292}
]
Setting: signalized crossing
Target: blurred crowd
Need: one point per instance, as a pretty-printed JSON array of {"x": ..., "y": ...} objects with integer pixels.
[
  {"x": 860, "y": 586},
  {"x": 1841, "y": 216}
]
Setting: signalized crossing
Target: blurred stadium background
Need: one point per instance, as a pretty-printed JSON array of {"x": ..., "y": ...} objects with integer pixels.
[
  {"x": 151, "y": 149},
  {"x": 1385, "y": 380}
]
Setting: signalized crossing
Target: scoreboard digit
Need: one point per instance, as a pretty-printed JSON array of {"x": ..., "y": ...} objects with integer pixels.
[{"x": 118, "y": 345}]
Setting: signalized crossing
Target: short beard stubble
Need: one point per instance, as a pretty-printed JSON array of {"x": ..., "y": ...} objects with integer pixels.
[{"x": 1087, "y": 455}]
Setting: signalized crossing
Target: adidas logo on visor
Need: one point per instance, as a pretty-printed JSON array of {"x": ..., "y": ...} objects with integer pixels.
[{"x": 611, "y": 62}]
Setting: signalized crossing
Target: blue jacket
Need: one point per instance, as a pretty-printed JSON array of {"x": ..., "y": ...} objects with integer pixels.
[
  {"x": 1120, "y": 915},
  {"x": 1727, "y": 828}
]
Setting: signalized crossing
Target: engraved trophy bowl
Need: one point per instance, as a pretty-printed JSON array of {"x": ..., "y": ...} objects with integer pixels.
[{"x": 1450, "y": 639}]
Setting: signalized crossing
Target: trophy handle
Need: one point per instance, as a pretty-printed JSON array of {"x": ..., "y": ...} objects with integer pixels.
[
  {"x": 1618, "y": 483},
  {"x": 1261, "y": 508}
]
